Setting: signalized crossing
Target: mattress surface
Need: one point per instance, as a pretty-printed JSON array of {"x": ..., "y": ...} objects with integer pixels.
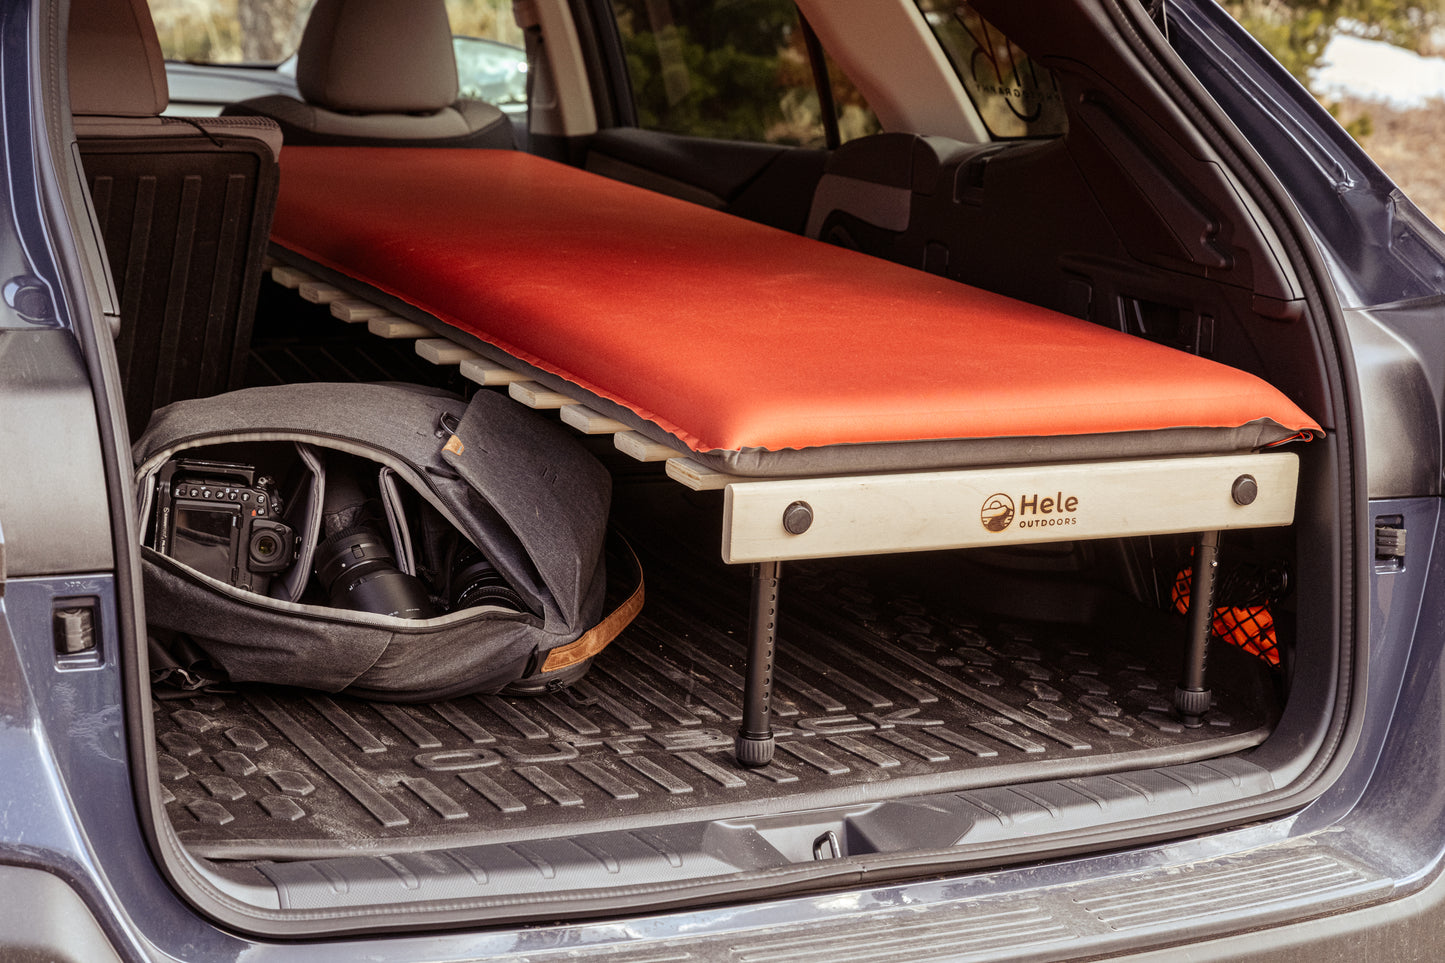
[{"x": 729, "y": 335}]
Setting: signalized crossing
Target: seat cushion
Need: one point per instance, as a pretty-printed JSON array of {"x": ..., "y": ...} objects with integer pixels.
[{"x": 734, "y": 337}]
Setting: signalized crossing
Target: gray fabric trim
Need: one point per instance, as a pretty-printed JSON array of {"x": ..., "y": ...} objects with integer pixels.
[
  {"x": 264, "y": 129},
  {"x": 992, "y": 452},
  {"x": 261, "y": 129}
]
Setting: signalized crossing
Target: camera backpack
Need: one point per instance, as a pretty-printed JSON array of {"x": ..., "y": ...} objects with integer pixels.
[{"x": 487, "y": 479}]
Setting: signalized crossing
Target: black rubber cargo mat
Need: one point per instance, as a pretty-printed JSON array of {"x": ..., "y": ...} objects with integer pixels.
[{"x": 880, "y": 696}]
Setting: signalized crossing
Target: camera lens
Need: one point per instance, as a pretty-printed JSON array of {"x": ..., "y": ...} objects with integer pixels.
[
  {"x": 358, "y": 571},
  {"x": 475, "y": 581}
]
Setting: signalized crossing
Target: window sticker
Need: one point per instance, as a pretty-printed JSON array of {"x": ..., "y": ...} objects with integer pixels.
[{"x": 1014, "y": 95}]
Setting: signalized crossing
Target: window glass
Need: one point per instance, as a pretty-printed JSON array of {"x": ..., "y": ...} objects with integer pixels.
[
  {"x": 730, "y": 69},
  {"x": 1014, "y": 96},
  {"x": 229, "y": 31},
  {"x": 488, "y": 19},
  {"x": 269, "y": 31}
]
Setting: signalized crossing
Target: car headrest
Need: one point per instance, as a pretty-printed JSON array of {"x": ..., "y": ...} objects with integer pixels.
[
  {"x": 116, "y": 65},
  {"x": 378, "y": 56}
]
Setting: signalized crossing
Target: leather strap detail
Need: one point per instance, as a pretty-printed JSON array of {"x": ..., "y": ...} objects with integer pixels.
[{"x": 600, "y": 635}]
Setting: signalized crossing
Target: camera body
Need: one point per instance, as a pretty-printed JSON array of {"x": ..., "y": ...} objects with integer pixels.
[{"x": 222, "y": 520}]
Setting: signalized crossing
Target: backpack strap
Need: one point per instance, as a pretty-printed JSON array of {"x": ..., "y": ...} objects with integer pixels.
[{"x": 597, "y": 638}]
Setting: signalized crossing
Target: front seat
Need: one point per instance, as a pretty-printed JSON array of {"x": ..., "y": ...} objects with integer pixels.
[{"x": 379, "y": 73}]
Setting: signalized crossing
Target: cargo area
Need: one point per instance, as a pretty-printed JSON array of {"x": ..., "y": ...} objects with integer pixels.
[
  {"x": 926, "y": 702},
  {"x": 888, "y": 687}
]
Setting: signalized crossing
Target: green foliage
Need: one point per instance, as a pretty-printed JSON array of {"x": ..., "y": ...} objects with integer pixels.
[
  {"x": 724, "y": 92},
  {"x": 728, "y": 69}
]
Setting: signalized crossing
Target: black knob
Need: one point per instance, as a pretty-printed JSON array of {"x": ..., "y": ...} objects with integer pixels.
[
  {"x": 1245, "y": 490},
  {"x": 798, "y": 518}
]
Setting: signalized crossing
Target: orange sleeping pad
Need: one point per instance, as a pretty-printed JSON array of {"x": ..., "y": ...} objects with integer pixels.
[{"x": 725, "y": 334}]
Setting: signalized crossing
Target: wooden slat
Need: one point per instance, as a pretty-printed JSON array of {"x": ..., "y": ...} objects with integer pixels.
[
  {"x": 290, "y": 277},
  {"x": 442, "y": 351},
  {"x": 698, "y": 477},
  {"x": 390, "y": 326},
  {"x": 641, "y": 447},
  {"x": 352, "y": 310},
  {"x": 485, "y": 372},
  {"x": 538, "y": 396},
  {"x": 589, "y": 422},
  {"x": 319, "y": 292},
  {"x": 923, "y": 511}
]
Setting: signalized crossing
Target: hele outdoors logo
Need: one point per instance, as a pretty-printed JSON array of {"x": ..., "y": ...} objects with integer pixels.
[{"x": 997, "y": 513}]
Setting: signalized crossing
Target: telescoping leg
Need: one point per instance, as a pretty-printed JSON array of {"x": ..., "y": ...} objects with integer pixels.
[
  {"x": 755, "y": 737},
  {"x": 1191, "y": 696}
]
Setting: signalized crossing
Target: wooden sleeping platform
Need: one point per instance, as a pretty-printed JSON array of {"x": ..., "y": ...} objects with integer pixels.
[{"x": 842, "y": 404}]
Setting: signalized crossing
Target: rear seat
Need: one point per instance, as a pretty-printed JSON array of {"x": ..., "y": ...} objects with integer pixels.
[
  {"x": 184, "y": 207},
  {"x": 380, "y": 73},
  {"x": 866, "y": 198}
]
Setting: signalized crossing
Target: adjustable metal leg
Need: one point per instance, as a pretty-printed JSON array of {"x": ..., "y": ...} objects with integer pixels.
[
  {"x": 754, "y": 744},
  {"x": 1191, "y": 697}
]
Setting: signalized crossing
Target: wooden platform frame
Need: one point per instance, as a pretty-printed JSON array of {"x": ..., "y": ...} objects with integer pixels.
[{"x": 767, "y": 521}]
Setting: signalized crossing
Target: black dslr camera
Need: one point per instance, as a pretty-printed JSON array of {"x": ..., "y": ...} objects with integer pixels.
[{"x": 222, "y": 520}]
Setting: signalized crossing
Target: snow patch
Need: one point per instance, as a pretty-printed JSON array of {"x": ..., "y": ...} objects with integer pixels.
[{"x": 1373, "y": 70}]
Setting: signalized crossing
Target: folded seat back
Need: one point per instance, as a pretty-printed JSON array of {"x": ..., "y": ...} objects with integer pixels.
[{"x": 184, "y": 208}]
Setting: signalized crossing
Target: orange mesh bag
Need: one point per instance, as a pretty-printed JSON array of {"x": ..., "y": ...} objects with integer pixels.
[{"x": 1249, "y": 624}]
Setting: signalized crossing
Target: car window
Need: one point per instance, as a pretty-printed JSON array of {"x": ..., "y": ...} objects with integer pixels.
[
  {"x": 1014, "y": 96},
  {"x": 229, "y": 31},
  {"x": 730, "y": 69},
  {"x": 269, "y": 31}
]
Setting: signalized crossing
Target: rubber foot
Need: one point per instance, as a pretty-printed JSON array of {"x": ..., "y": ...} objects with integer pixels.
[
  {"x": 754, "y": 751},
  {"x": 1191, "y": 704}
]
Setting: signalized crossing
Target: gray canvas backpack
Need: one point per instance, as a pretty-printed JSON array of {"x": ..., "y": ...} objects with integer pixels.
[{"x": 527, "y": 500}]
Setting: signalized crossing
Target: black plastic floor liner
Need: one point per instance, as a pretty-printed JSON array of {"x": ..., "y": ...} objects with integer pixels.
[{"x": 879, "y": 696}]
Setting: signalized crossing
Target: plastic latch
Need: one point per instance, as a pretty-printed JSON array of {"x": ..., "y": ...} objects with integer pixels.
[
  {"x": 74, "y": 631},
  {"x": 1389, "y": 542}
]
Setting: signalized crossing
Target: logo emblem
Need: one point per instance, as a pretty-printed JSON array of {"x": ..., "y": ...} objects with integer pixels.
[{"x": 998, "y": 512}]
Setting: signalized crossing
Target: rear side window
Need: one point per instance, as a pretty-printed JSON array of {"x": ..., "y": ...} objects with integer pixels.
[
  {"x": 730, "y": 69},
  {"x": 1014, "y": 96}
]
